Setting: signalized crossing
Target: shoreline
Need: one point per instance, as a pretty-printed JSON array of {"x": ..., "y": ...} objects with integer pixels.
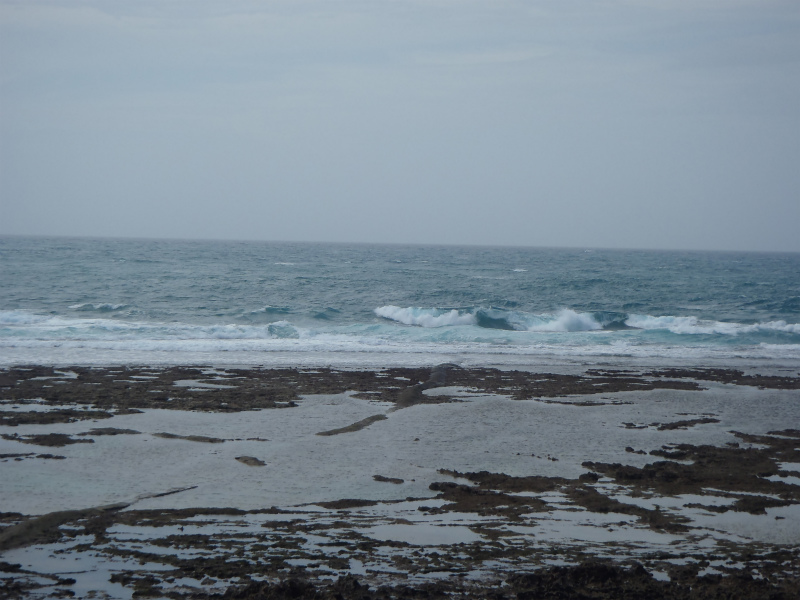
[
  {"x": 545, "y": 361},
  {"x": 432, "y": 480}
]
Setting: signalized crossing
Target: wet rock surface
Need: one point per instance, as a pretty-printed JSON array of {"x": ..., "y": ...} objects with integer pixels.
[
  {"x": 644, "y": 529},
  {"x": 57, "y": 440},
  {"x": 731, "y": 376},
  {"x": 109, "y": 431},
  {"x": 593, "y": 580},
  {"x": 737, "y": 470},
  {"x": 384, "y": 479},
  {"x": 51, "y": 416},
  {"x": 205, "y": 439},
  {"x": 17, "y": 456},
  {"x": 355, "y": 426},
  {"x": 85, "y": 393}
]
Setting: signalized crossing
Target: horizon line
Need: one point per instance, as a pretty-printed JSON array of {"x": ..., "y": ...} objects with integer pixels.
[{"x": 371, "y": 243}]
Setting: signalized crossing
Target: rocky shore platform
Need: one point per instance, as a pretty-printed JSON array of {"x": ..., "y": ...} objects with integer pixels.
[{"x": 439, "y": 482}]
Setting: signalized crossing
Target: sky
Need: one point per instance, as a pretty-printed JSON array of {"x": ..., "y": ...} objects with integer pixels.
[{"x": 596, "y": 123}]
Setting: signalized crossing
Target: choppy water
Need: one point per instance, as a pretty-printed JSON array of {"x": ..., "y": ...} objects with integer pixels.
[{"x": 103, "y": 301}]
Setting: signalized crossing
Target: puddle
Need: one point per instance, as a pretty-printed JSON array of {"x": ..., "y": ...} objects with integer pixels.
[{"x": 424, "y": 534}]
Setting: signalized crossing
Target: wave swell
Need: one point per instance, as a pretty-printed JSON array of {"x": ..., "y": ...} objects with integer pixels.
[
  {"x": 426, "y": 317},
  {"x": 491, "y": 318},
  {"x": 568, "y": 320},
  {"x": 98, "y": 306},
  {"x": 696, "y": 326},
  {"x": 26, "y": 336}
]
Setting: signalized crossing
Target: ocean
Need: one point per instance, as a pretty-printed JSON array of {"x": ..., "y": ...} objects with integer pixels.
[{"x": 115, "y": 301}]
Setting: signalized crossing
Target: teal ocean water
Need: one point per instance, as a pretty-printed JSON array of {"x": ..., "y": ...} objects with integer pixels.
[{"x": 199, "y": 302}]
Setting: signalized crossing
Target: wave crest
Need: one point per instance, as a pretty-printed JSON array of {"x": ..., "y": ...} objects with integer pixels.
[
  {"x": 283, "y": 329},
  {"x": 28, "y": 337},
  {"x": 566, "y": 320},
  {"x": 491, "y": 318},
  {"x": 15, "y": 317},
  {"x": 426, "y": 317},
  {"x": 696, "y": 326},
  {"x": 98, "y": 306}
]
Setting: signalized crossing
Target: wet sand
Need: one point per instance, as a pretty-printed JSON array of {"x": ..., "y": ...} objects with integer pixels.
[{"x": 402, "y": 482}]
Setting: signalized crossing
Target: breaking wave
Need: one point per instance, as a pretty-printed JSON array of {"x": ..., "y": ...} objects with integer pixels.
[
  {"x": 696, "y": 326},
  {"x": 426, "y": 317},
  {"x": 22, "y": 325},
  {"x": 26, "y": 336},
  {"x": 98, "y": 306},
  {"x": 491, "y": 318},
  {"x": 568, "y": 320}
]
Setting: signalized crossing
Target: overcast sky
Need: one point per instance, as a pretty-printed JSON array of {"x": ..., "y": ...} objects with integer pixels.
[{"x": 614, "y": 123}]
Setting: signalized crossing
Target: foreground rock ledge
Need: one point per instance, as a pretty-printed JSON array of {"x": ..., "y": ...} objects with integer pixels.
[{"x": 300, "y": 552}]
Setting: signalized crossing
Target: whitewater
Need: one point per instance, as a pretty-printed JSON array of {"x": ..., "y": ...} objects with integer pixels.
[{"x": 91, "y": 301}]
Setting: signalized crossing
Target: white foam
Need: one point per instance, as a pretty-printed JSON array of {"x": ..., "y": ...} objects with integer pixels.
[
  {"x": 19, "y": 317},
  {"x": 696, "y": 326},
  {"x": 27, "y": 338},
  {"x": 99, "y": 306},
  {"x": 284, "y": 329},
  {"x": 566, "y": 320},
  {"x": 426, "y": 317},
  {"x": 270, "y": 309},
  {"x": 64, "y": 329}
]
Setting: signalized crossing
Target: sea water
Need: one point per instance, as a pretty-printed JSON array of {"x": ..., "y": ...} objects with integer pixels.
[{"x": 103, "y": 301}]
